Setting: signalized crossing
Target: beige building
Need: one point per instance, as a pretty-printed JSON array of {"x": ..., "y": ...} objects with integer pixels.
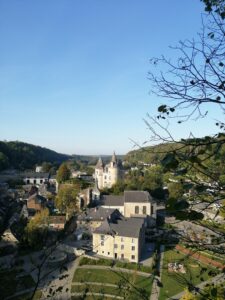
[
  {"x": 107, "y": 175},
  {"x": 122, "y": 239},
  {"x": 132, "y": 204}
]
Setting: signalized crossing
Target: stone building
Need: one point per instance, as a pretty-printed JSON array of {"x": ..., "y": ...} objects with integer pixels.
[
  {"x": 107, "y": 175},
  {"x": 133, "y": 204},
  {"x": 120, "y": 239}
]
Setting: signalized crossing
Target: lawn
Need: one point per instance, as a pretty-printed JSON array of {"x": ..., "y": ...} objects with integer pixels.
[
  {"x": 117, "y": 263},
  {"x": 27, "y": 296},
  {"x": 12, "y": 284},
  {"x": 174, "y": 283},
  {"x": 138, "y": 287}
]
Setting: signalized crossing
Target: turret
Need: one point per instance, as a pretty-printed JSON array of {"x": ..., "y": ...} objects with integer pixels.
[{"x": 113, "y": 162}]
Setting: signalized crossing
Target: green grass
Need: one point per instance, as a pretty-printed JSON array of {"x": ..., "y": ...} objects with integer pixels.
[
  {"x": 27, "y": 296},
  {"x": 174, "y": 283},
  {"x": 119, "y": 264},
  {"x": 96, "y": 289},
  {"x": 139, "y": 287},
  {"x": 12, "y": 284},
  {"x": 91, "y": 298}
]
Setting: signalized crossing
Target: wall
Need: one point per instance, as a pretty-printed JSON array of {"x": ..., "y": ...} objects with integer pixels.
[{"x": 108, "y": 248}]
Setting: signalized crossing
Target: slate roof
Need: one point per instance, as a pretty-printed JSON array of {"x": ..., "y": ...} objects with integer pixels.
[
  {"x": 137, "y": 196},
  {"x": 128, "y": 197},
  {"x": 36, "y": 175},
  {"x": 112, "y": 200},
  {"x": 99, "y": 164},
  {"x": 97, "y": 214},
  {"x": 126, "y": 227}
]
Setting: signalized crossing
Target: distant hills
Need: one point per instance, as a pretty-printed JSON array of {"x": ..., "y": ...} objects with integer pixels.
[
  {"x": 150, "y": 155},
  {"x": 20, "y": 155}
]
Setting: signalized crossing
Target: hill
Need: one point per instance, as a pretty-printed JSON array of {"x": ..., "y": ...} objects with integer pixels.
[
  {"x": 150, "y": 155},
  {"x": 20, "y": 155}
]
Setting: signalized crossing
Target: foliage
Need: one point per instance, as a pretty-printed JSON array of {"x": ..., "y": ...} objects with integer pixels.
[
  {"x": 4, "y": 161},
  {"x": 188, "y": 295},
  {"x": 176, "y": 190},
  {"x": 36, "y": 229},
  {"x": 63, "y": 173},
  {"x": 190, "y": 84},
  {"x": 22, "y": 156},
  {"x": 217, "y": 6},
  {"x": 66, "y": 199}
]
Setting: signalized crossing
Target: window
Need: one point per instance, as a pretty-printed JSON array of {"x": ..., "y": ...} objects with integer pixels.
[
  {"x": 115, "y": 246},
  {"x": 137, "y": 210},
  {"x": 132, "y": 256},
  {"x": 144, "y": 210},
  {"x": 133, "y": 248},
  {"x": 102, "y": 243},
  {"x": 102, "y": 251},
  {"x": 122, "y": 256},
  {"x": 152, "y": 209},
  {"x": 102, "y": 237},
  {"x": 108, "y": 253},
  {"x": 122, "y": 239},
  {"x": 133, "y": 240},
  {"x": 122, "y": 247}
]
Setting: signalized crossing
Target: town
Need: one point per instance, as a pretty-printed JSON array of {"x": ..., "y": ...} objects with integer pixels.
[
  {"x": 112, "y": 150},
  {"x": 84, "y": 233}
]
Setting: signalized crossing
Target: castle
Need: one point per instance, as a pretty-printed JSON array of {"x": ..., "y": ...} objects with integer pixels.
[{"x": 107, "y": 175}]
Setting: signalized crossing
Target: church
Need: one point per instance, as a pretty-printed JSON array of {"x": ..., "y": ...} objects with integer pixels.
[{"x": 107, "y": 175}]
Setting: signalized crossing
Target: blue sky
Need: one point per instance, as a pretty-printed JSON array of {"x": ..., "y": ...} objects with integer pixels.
[{"x": 73, "y": 73}]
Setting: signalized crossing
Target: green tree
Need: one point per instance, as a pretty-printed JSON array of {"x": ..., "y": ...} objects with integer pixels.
[
  {"x": 4, "y": 162},
  {"x": 63, "y": 173},
  {"x": 46, "y": 166},
  {"x": 66, "y": 199},
  {"x": 36, "y": 229},
  {"x": 176, "y": 190}
]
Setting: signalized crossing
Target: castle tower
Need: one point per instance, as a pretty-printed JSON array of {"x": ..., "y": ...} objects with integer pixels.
[
  {"x": 107, "y": 175},
  {"x": 113, "y": 170},
  {"x": 99, "y": 169}
]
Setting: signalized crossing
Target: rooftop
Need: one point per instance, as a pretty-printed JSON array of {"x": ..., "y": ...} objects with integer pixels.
[
  {"x": 111, "y": 200},
  {"x": 97, "y": 214},
  {"x": 127, "y": 227}
]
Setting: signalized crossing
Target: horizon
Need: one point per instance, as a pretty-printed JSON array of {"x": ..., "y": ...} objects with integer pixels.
[{"x": 76, "y": 82}]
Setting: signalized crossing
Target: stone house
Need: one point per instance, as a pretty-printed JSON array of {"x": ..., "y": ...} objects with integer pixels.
[
  {"x": 120, "y": 239},
  {"x": 132, "y": 204}
]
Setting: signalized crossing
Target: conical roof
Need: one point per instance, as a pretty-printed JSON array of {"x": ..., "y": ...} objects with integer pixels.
[
  {"x": 99, "y": 163},
  {"x": 114, "y": 159}
]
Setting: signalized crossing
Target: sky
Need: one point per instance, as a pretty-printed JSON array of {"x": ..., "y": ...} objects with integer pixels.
[{"x": 74, "y": 73}]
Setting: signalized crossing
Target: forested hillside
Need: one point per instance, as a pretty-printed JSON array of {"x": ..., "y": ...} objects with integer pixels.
[
  {"x": 22, "y": 156},
  {"x": 150, "y": 155}
]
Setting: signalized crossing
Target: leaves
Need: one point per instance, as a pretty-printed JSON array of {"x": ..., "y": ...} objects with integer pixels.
[{"x": 169, "y": 161}]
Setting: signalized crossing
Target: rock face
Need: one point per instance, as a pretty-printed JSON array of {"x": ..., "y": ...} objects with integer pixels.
[{"x": 10, "y": 213}]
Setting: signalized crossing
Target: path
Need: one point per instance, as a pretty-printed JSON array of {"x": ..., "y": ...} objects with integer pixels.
[
  {"x": 95, "y": 283},
  {"x": 65, "y": 283},
  {"x": 155, "y": 288},
  {"x": 217, "y": 279}
]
